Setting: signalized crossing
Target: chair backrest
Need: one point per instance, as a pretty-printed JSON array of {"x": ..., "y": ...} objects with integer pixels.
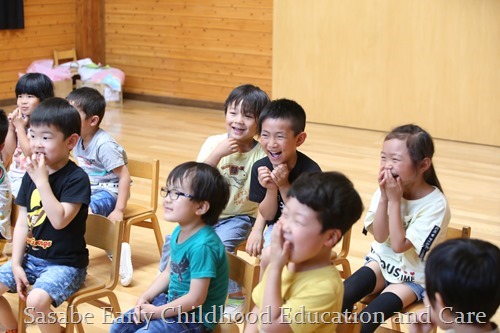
[
  {"x": 150, "y": 170},
  {"x": 452, "y": 232},
  {"x": 246, "y": 275},
  {"x": 106, "y": 235},
  {"x": 66, "y": 55},
  {"x": 346, "y": 243}
]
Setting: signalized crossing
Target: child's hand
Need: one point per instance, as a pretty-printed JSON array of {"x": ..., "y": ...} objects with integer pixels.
[
  {"x": 145, "y": 312},
  {"x": 35, "y": 166},
  {"x": 254, "y": 243},
  {"x": 116, "y": 215},
  {"x": 280, "y": 175},
  {"x": 381, "y": 183},
  {"x": 422, "y": 323},
  {"x": 280, "y": 248},
  {"x": 139, "y": 312},
  {"x": 392, "y": 185},
  {"x": 22, "y": 282},
  {"x": 18, "y": 120},
  {"x": 226, "y": 147},
  {"x": 266, "y": 179}
]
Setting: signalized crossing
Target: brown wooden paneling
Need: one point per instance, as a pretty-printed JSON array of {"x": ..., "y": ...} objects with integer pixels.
[
  {"x": 49, "y": 25},
  {"x": 90, "y": 30},
  {"x": 190, "y": 49}
]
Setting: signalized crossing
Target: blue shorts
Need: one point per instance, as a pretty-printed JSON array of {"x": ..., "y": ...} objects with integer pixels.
[
  {"x": 417, "y": 289},
  {"x": 59, "y": 281},
  {"x": 102, "y": 202},
  {"x": 175, "y": 324},
  {"x": 267, "y": 235}
]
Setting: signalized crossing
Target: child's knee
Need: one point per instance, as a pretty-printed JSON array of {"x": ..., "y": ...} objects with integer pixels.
[{"x": 38, "y": 301}]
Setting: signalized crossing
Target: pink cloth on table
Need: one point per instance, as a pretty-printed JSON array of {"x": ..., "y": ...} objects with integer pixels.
[{"x": 45, "y": 66}]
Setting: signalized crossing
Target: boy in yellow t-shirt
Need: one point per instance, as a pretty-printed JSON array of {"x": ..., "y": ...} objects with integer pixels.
[{"x": 301, "y": 291}]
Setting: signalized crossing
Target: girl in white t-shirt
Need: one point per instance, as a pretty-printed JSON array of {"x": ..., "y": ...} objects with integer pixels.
[
  {"x": 31, "y": 89},
  {"x": 408, "y": 216}
]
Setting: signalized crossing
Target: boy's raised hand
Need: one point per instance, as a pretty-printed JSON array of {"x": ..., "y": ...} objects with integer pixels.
[
  {"x": 35, "y": 166},
  {"x": 280, "y": 248},
  {"x": 266, "y": 179},
  {"x": 280, "y": 175},
  {"x": 226, "y": 147}
]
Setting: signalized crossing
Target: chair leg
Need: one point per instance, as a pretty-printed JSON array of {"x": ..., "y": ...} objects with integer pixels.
[
  {"x": 70, "y": 314},
  {"x": 395, "y": 324},
  {"x": 21, "y": 326},
  {"x": 157, "y": 231},
  {"x": 126, "y": 232},
  {"x": 153, "y": 224},
  {"x": 113, "y": 301}
]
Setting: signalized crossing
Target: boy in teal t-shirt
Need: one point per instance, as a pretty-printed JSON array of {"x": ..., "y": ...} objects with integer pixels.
[{"x": 189, "y": 295}]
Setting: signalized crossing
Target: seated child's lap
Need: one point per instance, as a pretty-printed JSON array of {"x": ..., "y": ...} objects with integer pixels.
[
  {"x": 59, "y": 281},
  {"x": 102, "y": 202}
]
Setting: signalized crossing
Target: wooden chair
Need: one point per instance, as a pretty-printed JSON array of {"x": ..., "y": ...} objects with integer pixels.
[
  {"x": 451, "y": 233},
  {"x": 247, "y": 276},
  {"x": 64, "y": 56},
  {"x": 105, "y": 235},
  {"x": 341, "y": 258},
  {"x": 137, "y": 213}
]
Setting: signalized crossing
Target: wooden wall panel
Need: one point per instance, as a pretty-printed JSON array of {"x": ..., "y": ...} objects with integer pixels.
[
  {"x": 376, "y": 64},
  {"x": 190, "y": 49},
  {"x": 49, "y": 25}
]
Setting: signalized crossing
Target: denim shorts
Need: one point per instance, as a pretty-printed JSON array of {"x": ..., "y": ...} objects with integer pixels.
[
  {"x": 102, "y": 202},
  {"x": 59, "y": 281},
  {"x": 125, "y": 323},
  {"x": 417, "y": 289},
  {"x": 267, "y": 235}
]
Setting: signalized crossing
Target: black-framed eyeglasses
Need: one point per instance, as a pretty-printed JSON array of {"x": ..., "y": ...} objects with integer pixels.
[{"x": 173, "y": 194}]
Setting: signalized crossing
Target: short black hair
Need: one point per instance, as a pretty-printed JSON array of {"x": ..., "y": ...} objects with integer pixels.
[
  {"x": 332, "y": 196},
  {"x": 59, "y": 113},
  {"x": 89, "y": 100},
  {"x": 36, "y": 84},
  {"x": 285, "y": 109},
  {"x": 254, "y": 99},
  {"x": 4, "y": 126},
  {"x": 207, "y": 184},
  {"x": 465, "y": 272}
]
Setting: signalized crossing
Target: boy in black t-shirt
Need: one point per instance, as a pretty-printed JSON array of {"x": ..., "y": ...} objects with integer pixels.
[
  {"x": 281, "y": 128},
  {"x": 49, "y": 251}
]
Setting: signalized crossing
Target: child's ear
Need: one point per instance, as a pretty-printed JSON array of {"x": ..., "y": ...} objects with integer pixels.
[
  {"x": 94, "y": 120},
  {"x": 439, "y": 303},
  {"x": 72, "y": 140},
  {"x": 425, "y": 164},
  {"x": 203, "y": 207},
  {"x": 2, "y": 146},
  {"x": 301, "y": 138},
  {"x": 333, "y": 237}
]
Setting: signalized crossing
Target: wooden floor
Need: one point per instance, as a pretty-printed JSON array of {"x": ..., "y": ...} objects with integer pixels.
[{"x": 470, "y": 175}]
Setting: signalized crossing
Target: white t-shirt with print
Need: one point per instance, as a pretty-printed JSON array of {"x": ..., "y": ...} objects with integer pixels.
[{"x": 425, "y": 221}]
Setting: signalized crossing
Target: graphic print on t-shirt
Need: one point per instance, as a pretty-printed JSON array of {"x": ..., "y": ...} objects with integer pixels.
[{"x": 36, "y": 216}]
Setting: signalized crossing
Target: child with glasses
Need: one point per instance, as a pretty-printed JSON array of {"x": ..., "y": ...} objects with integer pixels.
[{"x": 188, "y": 295}]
